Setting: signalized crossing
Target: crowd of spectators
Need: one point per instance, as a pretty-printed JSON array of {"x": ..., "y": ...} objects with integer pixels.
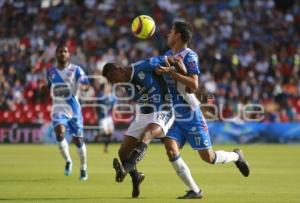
[{"x": 249, "y": 51}]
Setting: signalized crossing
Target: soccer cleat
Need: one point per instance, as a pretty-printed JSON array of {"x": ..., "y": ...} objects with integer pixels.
[
  {"x": 136, "y": 185},
  {"x": 241, "y": 163},
  {"x": 192, "y": 195},
  {"x": 120, "y": 172},
  {"x": 83, "y": 175},
  {"x": 68, "y": 168}
]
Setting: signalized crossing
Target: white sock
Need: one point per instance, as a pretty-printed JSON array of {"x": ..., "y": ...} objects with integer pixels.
[
  {"x": 64, "y": 150},
  {"x": 184, "y": 173},
  {"x": 225, "y": 157},
  {"x": 81, "y": 151}
]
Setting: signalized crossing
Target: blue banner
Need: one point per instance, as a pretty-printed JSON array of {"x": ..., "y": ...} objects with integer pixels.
[{"x": 228, "y": 132}]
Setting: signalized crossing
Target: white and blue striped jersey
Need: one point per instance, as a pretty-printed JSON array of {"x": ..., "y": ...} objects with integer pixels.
[
  {"x": 179, "y": 95},
  {"x": 64, "y": 85}
]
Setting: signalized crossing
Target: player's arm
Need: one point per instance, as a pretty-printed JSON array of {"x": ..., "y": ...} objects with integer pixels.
[
  {"x": 177, "y": 63},
  {"x": 187, "y": 76},
  {"x": 45, "y": 86},
  {"x": 190, "y": 81},
  {"x": 82, "y": 79},
  {"x": 150, "y": 64}
]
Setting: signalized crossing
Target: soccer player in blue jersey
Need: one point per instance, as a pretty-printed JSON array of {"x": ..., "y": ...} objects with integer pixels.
[
  {"x": 64, "y": 79},
  {"x": 105, "y": 101},
  {"x": 189, "y": 124},
  {"x": 152, "y": 96}
]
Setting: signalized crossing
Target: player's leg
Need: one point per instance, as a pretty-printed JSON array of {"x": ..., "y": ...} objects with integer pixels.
[
  {"x": 81, "y": 151},
  {"x": 181, "y": 167},
  {"x": 108, "y": 130},
  {"x": 158, "y": 124},
  {"x": 223, "y": 157},
  {"x": 151, "y": 131},
  {"x": 128, "y": 144},
  {"x": 106, "y": 140},
  {"x": 76, "y": 127},
  {"x": 199, "y": 138},
  {"x": 63, "y": 146}
]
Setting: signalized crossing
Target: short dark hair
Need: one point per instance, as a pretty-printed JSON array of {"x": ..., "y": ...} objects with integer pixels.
[
  {"x": 185, "y": 29},
  {"x": 107, "y": 67},
  {"x": 62, "y": 43}
]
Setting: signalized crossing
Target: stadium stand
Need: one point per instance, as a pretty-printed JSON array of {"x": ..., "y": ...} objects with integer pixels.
[{"x": 249, "y": 50}]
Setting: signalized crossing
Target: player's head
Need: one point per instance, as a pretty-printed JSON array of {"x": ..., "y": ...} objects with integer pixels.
[
  {"x": 62, "y": 53},
  {"x": 180, "y": 31},
  {"x": 114, "y": 73}
]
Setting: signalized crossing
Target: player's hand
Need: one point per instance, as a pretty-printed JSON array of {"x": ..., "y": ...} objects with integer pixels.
[
  {"x": 172, "y": 60},
  {"x": 163, "y": 69}
]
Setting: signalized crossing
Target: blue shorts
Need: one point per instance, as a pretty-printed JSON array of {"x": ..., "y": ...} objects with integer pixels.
[
  {"x": 74, "y": 125},
  {"x": 191, "y": 127}
]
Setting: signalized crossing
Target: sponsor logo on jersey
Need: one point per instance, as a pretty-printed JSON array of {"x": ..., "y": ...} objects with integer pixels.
[
  {"x": 141, "y": 75},
  {"x": 69, "y": 73},
  {"x": 193, "y": 129}
]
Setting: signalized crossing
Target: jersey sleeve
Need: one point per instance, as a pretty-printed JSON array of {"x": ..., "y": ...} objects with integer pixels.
[
  {"x": 81, "y": 76},
  {"x": 191, "y": 63},
  {"x": 149, "y": 64}
]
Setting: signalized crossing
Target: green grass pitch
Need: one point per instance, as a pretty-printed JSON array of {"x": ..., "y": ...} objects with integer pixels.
[{"x": 34, "y": 173}]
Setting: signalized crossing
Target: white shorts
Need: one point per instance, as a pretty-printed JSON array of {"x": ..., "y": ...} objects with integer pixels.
[
  {"x": 106, "y": 125},
  {"x": 164, "y": 119}
]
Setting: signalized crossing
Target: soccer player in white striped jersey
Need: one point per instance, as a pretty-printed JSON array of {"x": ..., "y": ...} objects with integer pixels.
[
  {"x": 64, "y": 80},
  {"x": 189, "y": 124}
]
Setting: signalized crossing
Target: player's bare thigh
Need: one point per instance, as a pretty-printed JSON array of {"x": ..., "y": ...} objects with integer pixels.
[{"x": 151, "y": 131}]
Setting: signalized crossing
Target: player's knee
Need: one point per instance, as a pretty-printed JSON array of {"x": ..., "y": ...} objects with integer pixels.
[
  {"x": 208, "y": 157},
  {"x": 59, "y": 137},
  {"x": 78, "y": 141},
  {"x": 172, "y": 154},
  {"x": 147, "y": 136},
  {"x": 59, "y": 132}
]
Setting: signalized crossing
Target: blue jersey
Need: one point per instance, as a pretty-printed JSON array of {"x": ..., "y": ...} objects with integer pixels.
[
  {"x": 183, "y": 102},
  {"x": 150, "y": 90},
  {"x": 106, "y": 103}
]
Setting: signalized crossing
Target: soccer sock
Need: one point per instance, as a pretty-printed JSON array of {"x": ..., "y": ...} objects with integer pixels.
[
  {"x": 225, "y": 157},
  {"x": 64, "y": 150},
  {"x": 81, "y": 151},
  {"x": 184, "y": 173},
  {"x": 136, "y": 155},
  {"x": 134, "y": 174}
]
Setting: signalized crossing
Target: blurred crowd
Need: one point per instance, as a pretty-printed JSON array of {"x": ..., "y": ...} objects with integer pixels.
[{"x": 249, "y": 50}]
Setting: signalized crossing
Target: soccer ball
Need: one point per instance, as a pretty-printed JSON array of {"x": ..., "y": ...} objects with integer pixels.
[{"x": 143, "y": 26}]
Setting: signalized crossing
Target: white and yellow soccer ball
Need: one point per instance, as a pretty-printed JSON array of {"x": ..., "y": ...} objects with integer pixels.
[{"x": 143, "y": 26}]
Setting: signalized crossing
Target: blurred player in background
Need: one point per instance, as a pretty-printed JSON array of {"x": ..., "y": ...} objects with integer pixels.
[
  {"x": 189, "y": 124},
  {"x": 156, "y": 117},
  {"x": 106, "y": 100},
  {"x": 65, "y": 79}
]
